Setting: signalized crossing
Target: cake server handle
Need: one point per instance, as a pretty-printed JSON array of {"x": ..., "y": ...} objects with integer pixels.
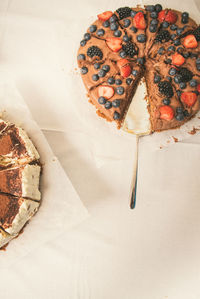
[{"x": 134, "y": 179}]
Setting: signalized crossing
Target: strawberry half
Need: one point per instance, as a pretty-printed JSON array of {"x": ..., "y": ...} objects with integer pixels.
[
  {"x": 161, "y": 15},
  {"x": 105, "y": 15},
  {"x": 198, "y": 88},
  {"x": 166, "y": 112},
  {"x": 125, "y": 71},
  {"x": 114, "y": 43},
  {"x": 122, "y": 62},
  {"x": 139, "y": 21},
  {"x": 190, "y": 42},
  {"x": 189, "y": 98},
  {"x": 167, "y": 15},
  {"x": 106, "y": 91},
  {"x": 178, "y": 59}
]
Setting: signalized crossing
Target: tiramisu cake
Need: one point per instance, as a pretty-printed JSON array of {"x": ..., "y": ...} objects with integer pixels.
[
  {"x": 19, "y": 180},
  {"x": 161, "y": 45}
]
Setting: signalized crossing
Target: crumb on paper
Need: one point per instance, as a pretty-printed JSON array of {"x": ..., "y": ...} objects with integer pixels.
[
  {"x": 161, "y": 147},
  {"x": 175, "y": 139},
  {"x": 168, "y": 141},
  {"x": 193, "y": 131}
]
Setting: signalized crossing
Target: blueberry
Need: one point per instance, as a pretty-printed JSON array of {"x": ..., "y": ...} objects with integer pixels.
[
  {"x": 185, "y": 14},
  {"x": 178, "y": 93},
  {"x": 152, "y": 28},
  {"x": 100, "y": 32},
  {"x": 116, "y": 103},
  {"x": 101, "y": 73},
  {"x": 126, "y": 38},
  {"x": 186, "y": 55},
  {"x": 198, "y": 66},
  {"x": 87, "y": 36},
  {"x": 106, "y": 68},
  {"x": 158, "y": 7},
  {"x": 93, "y": 28},
  {"x": 122, "y": 54},
  {"x": 108, "y": 105},
  {"x": 168, "y": 61},
  {"x": 169, "y": 78},
  {"x": 101, "y": 100},
  {"x": 150, "y": 8},
  {"x": 141, "y": 38},
  {"x": 134, "y": 29},
  {"x": 116, "y": 115},
  {"x": 83, "y": 43},
  {"x": 126, "y": 22},
  {"x": 182, "y": 85},
  {"x": 84, "y": 70},
  {"x": 141, "y": 60},
  {"x": 114, "y": 26},
  {"x": 196, "y": 92},
  {"x": 180, "y": 50},
  {"x": 193, "y": 83},
  {"x": 118, "y": 82},
  {"x": 165, "y": 24},
  {"x": 161, "y": 50},
  {"x": 133, "y": 13},
  {"x": 134, "y": 72},
  {"x": 154, "y": 15},
  {"x": 172, "y": 71},
  {"x": 186, "y": 113},
  {"x": 179, "y": 116},
  {"x": 95, "y": 77},
  {"x": 179, "y": 110},
  {"x": 179, "y": 31},
  {"x": 198, "y": 60},
  {"x": 128, "y": 81},
  {"x": 106, "y": 24},
  {"x": 177, "y": 78},
  {"x": 120, "y": 90},
  {"x": 177, "y": 42},
  {"x": 81, "y": 57},
  {"x": 113, "y": 18},
  {"x": 117, "y": 33},
  {"x": 173, "y": 36},
  {"x": 157, "y": 78},
  {"x": 171, "y": 48},
  {"x": 184, "y": 20},
  {"x": 154, "y": 22},
  {"x": 97, "y": 66},
  {"x": 166, "y": 101},
  {"x": 173, "y": 27},
  {"x": 111, "y": 80}
]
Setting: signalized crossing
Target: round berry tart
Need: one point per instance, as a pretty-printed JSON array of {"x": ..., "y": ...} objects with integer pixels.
[{"x": 161, "y": 45}]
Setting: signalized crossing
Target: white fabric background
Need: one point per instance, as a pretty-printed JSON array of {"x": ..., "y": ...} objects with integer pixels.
[{"x": 151, "y": 252}]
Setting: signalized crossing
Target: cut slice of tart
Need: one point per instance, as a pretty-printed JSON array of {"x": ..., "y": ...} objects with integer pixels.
[
  {"x": 16, "y": 147},
  {"x": 21, "y": 181},
  {"x": 15, "y": 212},
  {"x": 112, "y": 100}
]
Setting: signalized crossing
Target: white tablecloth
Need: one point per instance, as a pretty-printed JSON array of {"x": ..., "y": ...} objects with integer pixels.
[{"x": 150, "y": 252}]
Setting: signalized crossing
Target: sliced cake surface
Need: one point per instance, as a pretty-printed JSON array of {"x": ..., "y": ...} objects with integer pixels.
[
  {"x": 161, "y": 44},
  {"x": 20, "y": 171}
]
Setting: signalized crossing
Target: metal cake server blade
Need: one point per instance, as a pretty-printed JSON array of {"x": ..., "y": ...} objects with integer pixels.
[{"x": 137, "y": 122}]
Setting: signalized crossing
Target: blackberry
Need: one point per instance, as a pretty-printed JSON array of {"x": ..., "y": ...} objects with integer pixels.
[
  {"x": 186, "y": 75},
  {"x": 124, "y": 12},
  {"x": 163, "y": 36},
  {"x": 197, "y": 33},
  {"x": 94, "y": 51},
  {"x": 130, "y": 49},
  {"x": 166, "y": 88}
]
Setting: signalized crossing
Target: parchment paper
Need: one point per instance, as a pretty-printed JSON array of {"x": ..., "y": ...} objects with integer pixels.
[{"x": 61, "y": 207}]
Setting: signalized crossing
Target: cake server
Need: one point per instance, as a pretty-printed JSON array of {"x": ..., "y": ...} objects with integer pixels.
[{"x": 137, "y": 122}]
